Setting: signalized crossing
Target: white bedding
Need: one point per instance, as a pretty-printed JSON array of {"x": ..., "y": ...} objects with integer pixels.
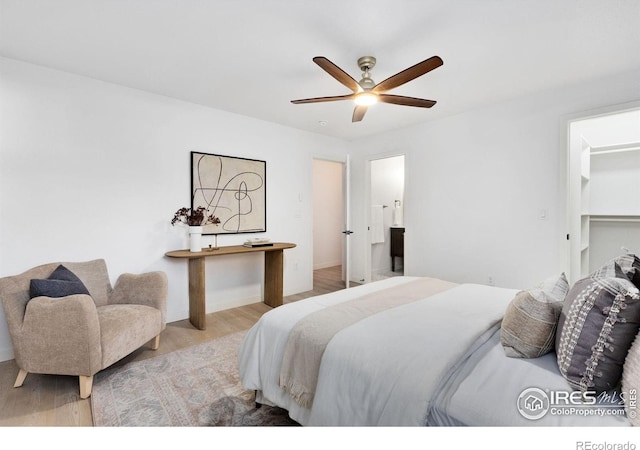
[
  {"x": 384, "y": 369},
  {"x": 478, "y": 393}
]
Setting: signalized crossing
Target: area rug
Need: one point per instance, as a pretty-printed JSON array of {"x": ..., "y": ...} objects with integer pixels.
[{"x": 196, "y": 386}]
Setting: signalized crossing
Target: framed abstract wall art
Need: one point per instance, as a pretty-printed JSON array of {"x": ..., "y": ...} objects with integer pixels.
[{"x": 233, "y": 189}]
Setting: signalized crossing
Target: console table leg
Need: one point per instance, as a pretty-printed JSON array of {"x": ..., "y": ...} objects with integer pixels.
[
  {"x": 273, "y": 277},
  {"x": 197, "y": 300}
]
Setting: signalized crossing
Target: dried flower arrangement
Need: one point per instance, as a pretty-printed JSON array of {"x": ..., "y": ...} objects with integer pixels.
[{"x": 194, "y": 217}]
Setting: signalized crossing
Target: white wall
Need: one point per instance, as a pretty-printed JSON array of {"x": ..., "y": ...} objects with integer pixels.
[
  {"x": 328, "y": 214},
  {"x": 95, "y": 170},
  {"x": 477, "y": 183}
]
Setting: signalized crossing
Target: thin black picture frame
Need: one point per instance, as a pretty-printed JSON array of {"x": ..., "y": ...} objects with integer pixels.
[{"x": 232, "y": 188}]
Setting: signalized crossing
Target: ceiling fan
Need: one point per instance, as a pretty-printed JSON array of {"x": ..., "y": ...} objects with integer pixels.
[{"x": 366, "y": 92}]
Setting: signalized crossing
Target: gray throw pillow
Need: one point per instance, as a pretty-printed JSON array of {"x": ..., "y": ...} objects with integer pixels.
[
  {"x": 61, "y": 283},
  {"x": 528, "y": 327},
  {"x": 599, "y": 320},
  {"x": 62, "y": 273},
  {"x": 627, "y": 266}
]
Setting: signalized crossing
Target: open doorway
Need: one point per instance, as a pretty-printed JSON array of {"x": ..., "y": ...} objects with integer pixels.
[
  {"x": 329, "y": 252},
  {"x": 604, "y": 189},
  {"x": 386, "y": 226}
]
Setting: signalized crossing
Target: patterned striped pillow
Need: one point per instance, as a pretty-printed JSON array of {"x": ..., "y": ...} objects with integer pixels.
[
  {"x": 528, "y": 327},
  {"x": 599, "y": 320}
]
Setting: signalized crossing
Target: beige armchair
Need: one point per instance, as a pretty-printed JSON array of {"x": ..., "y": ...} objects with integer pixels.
[{"x": 82, "y": 334}]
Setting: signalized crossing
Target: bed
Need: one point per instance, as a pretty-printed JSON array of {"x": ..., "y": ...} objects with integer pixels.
[{"x": 403, "y": 351}]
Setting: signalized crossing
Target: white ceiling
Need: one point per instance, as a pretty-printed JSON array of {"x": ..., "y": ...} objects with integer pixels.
[{"x": 252, "y": 57}]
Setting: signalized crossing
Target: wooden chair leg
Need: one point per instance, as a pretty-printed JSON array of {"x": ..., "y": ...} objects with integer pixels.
[
  {"x": 86, "y": 384},
  {"x": 258, "y": 405},
  {"x": 155, "y": 343},
  {"x": 22, "y": 374}
]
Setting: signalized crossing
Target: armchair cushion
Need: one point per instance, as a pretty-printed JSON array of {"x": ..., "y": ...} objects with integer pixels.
[
  {"x": 124, "y": 328},
  {"x": 61, "y": 283}
]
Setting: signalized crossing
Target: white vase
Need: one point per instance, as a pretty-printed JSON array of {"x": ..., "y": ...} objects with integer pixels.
[{"x": 195, "y": 238}]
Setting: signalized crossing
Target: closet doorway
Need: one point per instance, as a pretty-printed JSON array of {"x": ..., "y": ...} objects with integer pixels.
[
  {"x": 604, "y": 189},
  {"x": 385, "y": 242}
]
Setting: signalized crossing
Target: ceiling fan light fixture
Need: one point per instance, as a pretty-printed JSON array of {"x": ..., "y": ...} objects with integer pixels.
[
  {"x": 366, "y": 99},
  {"x": 366, "y": 92}
]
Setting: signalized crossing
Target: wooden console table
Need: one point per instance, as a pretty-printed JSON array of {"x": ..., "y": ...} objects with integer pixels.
[{"x": 273, "y": 275}]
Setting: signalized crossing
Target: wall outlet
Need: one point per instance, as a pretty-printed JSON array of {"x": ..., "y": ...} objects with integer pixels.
[{"x": 490, "y": 280}]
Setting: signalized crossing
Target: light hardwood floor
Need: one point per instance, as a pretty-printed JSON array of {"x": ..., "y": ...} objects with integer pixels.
[{"x": 49, "y": 400}]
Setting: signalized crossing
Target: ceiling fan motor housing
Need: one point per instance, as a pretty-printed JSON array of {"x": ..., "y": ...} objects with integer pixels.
[{"x": 366, "y": 63}]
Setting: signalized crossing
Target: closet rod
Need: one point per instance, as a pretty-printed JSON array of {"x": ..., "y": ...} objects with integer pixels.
[
  {"x": 616, "y": 148},
  {"x": 604, "y": 218}
]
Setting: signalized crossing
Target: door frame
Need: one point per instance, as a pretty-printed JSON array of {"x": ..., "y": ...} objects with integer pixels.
[
  {"x": 572, "y": 253},
  {"x": 367, "y": 199}
]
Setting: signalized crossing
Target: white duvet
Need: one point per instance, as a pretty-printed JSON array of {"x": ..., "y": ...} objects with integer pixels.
[{"x": 384, "y": 369}]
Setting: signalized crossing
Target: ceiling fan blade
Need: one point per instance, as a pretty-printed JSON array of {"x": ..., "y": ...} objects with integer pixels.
[
  {"x": 358, "y": 113},
  {"x": 337, "y": 73},
  {"x": 409, "y": 74},
  {"x": 406, "y": 101},
  {"x": 324, "y": 99}
]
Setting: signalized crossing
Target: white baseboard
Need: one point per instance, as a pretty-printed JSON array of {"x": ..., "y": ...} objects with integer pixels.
[
  {"x": 326, "y": 265},
  {"x": 228, "y": 304}
]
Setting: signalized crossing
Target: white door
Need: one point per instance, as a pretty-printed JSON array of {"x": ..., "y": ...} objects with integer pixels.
[{"x": 346, "y": 261}]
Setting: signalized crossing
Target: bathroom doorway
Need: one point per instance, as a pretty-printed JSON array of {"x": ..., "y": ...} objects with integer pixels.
[{"x": 385, "y": 254}]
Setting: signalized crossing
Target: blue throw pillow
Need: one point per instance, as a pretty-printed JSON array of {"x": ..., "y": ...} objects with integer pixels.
[{"x": 61, "y": 283}]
